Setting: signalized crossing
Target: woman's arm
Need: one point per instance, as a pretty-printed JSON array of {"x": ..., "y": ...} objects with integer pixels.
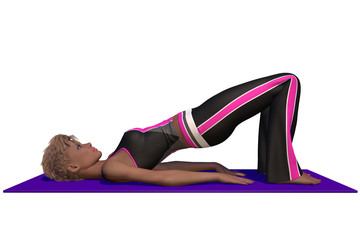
[
  {"x": 119, "y": 172},
  {"x": 195, "y": 166},
  {"x": 187, "y": 166}
]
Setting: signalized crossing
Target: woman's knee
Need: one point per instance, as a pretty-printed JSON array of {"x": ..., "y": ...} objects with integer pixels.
[{"x": 292, "y": 77}]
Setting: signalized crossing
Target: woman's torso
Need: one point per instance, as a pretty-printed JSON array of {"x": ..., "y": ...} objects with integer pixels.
[{"x": 145, "y": 148}]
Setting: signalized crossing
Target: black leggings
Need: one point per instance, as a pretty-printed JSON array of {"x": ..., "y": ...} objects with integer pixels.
[{"x": 276, "y": 97}]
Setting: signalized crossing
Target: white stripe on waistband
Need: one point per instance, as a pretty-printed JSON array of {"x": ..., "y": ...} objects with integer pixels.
[{"x": 194, "y": 130}]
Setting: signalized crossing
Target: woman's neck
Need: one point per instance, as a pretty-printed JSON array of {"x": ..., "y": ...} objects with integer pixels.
[{"x": 93, "y": 172}]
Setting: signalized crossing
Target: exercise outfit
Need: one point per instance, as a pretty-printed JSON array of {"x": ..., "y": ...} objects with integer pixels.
[{"x": 276, "y": 97}]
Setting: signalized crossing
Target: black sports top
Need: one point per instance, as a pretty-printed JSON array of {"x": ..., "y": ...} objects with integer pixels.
[{"x": 149, "y": 146}]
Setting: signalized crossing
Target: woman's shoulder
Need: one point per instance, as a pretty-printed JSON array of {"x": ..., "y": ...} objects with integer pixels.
[
  {"x": 122, "y": 156},
  {"x": 114, "y": 170}
]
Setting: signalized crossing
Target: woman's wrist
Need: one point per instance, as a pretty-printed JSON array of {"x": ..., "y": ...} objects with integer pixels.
[
  {"x": 217, "y": 176},
  {"x": 215, "y": 166}
]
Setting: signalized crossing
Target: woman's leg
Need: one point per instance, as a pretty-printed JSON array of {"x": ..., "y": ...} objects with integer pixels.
[
  {"x": 276, "y": 97},
  {"x": 276, "y": 154},
  {"x": 262, "y": 145}
]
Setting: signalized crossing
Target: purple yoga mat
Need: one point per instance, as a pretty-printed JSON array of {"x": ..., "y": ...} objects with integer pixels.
[{"x": 43, "y": 184}]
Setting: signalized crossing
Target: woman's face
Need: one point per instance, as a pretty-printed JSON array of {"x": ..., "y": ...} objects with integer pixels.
[{"x": 83, "y": 155}]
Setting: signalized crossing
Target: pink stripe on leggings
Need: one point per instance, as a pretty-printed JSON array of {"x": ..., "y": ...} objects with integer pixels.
[
  {"x": 183, "y": 130},
  {"x": 240, "y": 101},
  {"x": 252, "y": 94},
  {"x": 293, "y": 168}
]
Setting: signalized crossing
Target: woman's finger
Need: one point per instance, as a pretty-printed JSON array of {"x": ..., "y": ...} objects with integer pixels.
[
  {"x": 240, "y": 174},
  {"x": 246, "y": 181}
]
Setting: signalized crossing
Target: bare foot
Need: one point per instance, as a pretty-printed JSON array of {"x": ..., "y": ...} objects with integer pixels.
[{"x": 304, "y": 179}]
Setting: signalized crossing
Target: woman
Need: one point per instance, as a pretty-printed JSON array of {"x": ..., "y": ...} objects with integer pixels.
[{"x": 140, "y": 152}]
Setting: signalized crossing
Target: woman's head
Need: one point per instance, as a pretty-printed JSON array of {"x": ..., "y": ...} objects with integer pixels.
[{"x": 65, "y": 157}]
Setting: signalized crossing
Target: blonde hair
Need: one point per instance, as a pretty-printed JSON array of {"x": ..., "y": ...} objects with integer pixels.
[{"x": 56, "y": 158}]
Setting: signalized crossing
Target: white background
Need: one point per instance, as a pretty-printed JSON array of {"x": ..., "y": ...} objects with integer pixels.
[{"x": 97, "y": 68}]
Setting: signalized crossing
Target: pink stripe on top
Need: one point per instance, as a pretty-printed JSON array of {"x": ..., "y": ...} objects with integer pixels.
[
  {"x": 151, "y": 127},
  {"x": 183, "y": 130},
  {"x": 240, "y": 101},
  {"x": 111, "y": 155},
  {"x": 294, "y": 172}
]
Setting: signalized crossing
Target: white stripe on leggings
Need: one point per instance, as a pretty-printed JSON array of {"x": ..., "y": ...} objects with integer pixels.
[{"x": 194, "y": 130}]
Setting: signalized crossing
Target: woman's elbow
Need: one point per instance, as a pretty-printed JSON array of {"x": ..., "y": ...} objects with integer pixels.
[
  {"x": 105, "y": 173},
  {"x": 110, "y": 172}
]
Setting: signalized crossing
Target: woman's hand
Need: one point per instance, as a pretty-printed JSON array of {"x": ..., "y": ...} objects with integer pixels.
[
  {"x": 221, "y": 169},
  {"x": 226, "y": 178}
]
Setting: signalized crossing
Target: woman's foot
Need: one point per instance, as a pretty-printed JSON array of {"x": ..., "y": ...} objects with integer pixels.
[{"x": 304, "y": 179}]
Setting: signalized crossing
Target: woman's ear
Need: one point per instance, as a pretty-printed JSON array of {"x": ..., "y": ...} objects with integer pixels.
[{"x": 73, "y": 168}]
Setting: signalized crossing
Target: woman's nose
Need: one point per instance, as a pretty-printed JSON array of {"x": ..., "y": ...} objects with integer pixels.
[{"x": 89, "y": 144}]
